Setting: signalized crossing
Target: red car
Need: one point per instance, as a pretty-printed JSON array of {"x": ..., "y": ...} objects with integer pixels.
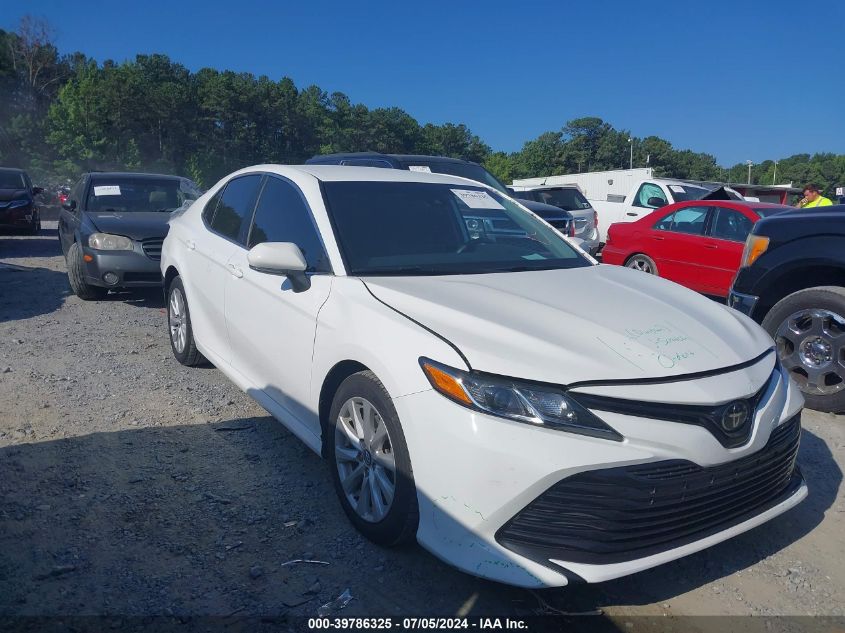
[{"x": 697, "y": 244}]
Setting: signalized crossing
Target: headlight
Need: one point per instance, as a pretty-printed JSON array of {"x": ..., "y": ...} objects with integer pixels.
[
  {"x": 755, "y": 246},
  {"x": 540, "y": 405},
  {"x": 17, "y": 204},
  {"x": 107, "y": 242}
]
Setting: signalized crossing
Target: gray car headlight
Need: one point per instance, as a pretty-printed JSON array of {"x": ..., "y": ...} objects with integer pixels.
[
  {"x": 108, "y": 242},
  {"x": 541, "y": 405}
]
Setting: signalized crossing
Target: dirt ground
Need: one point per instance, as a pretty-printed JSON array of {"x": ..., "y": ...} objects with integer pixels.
[{"x": 133, "y": 486}]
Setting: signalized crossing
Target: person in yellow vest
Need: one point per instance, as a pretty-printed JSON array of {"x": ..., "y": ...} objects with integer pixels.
[{"x": 813, "y": 198}]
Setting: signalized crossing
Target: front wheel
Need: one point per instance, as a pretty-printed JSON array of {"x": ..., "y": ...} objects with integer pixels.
[
  {"x": 370, "y": 463},
  {"x": 643, "y": 263},
  {"x": 809, "y": 329},
  {"x": 76, "y": 276}
]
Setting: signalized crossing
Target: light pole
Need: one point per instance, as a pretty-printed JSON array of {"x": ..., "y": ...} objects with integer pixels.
[
  {"x": 749, "y": 163},
  {"x": 775, "y": 174},
  {"x": 631, "y": 161}
]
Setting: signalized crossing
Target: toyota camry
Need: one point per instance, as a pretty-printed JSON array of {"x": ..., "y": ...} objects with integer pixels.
[{"x": 418, "y": 331}]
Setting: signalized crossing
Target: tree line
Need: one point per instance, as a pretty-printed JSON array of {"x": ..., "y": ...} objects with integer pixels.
[{"x": 62, "y": 114}]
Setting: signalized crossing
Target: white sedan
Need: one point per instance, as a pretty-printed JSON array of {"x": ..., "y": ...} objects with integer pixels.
[{"x": 477, "y": 383}]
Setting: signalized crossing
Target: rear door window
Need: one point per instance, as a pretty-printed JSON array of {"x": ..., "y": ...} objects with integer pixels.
[
  {"x": 234, "y": 210},
  {"x": 729, "y": 224}
]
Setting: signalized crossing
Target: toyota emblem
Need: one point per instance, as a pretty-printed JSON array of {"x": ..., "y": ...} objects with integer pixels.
[{"x": 735, "y": 416}]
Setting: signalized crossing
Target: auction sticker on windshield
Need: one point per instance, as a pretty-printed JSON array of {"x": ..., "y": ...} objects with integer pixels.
[
  {"x": 677, "y": 188},
  {"x": 477, "y": 199},
  {"x": 107, "y": 190},
  {"x": 424, "y": 168}
]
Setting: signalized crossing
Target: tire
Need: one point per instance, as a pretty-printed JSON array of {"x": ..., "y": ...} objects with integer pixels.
[
  {"x": 399, "y": 520},
  {"x": 179, "y": 329},
  {"x": 643, "y": 263},
  {"x": 76, "y": 276},
  {"x": 804, "y": 326}
]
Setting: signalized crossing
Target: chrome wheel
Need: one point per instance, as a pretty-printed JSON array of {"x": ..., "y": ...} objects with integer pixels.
[
  {"x": 364, "y": 459},
  {"x": 811, "y": 345},
  {"x": 177, "y": 318},
  {"x": 642, "y": 263}
]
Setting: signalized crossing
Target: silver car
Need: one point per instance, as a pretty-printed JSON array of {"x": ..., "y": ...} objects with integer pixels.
[{"x": 572, "y": 200}]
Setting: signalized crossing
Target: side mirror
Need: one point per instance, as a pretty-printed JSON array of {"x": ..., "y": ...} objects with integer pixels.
[
  {"x": 280, "y": 258},
  {"x": 37, "y": 190},
  {"x": 70, "y": 205},
  {"x": 656, "y": 202}
]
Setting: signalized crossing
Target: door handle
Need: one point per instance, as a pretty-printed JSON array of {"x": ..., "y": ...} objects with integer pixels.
[
  {"x": 236, "y": 272},
  {"x": 191, "y": 244},
  {"x": 633, "y": 215},
  {"x": 659, "y": 238},
  {"x": 712, "y": 247}
]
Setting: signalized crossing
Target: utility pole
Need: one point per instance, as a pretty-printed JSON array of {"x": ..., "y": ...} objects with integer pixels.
[
  {"x": 775, "y": 174},
  {"x": 749, "y": 163},
  {"x": 631, "y": 162}
]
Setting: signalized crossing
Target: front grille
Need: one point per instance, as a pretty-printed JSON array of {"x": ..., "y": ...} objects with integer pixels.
[
  {"x": 709, "y": 417},
  {"x": 620, "y": 514},
  {"x": 152, "y": 247}
]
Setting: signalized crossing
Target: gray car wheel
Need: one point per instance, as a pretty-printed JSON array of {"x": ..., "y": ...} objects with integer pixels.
[{"x": 643, "y": 263}]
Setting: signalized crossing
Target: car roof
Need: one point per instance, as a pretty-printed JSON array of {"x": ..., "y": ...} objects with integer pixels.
[
  {"x": 131, "y": 174},
  {"x": 347, "y": 173},
  {"x": 12, "y": 170},
  {"x": 407, "y": 158}
]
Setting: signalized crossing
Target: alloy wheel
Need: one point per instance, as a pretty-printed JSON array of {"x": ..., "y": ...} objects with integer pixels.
[
  {"x": 178, "y": 320},
  {"x": 811, "y": 345},
  {"x": 642, "y": 264},
  {"x": 364, "y": 459}
]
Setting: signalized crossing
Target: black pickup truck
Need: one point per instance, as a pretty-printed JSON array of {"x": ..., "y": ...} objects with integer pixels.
[{"x": 792, "y": 281}]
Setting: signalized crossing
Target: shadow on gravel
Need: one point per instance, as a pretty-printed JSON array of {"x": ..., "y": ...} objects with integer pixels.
[
  {"x": 203, "y": 519},
  {"x": 29, "y": 292},
  {"x": 45, "y": 244}
]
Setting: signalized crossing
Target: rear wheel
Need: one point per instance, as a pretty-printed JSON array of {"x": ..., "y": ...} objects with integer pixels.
[
  {"x": 643, "y": 263},
  {"x": 179, "y": 325},
  {"x": 371, "y": 466},
  {"x": 76, "y": 276},
  {"x": 809, "y": 329}
]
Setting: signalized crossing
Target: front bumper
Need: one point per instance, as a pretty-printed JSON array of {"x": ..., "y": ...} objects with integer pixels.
[
  {"x": 476, "y": 473},
  {"x": 131, "y": 269},
  {"x": 741, "y": 302}
]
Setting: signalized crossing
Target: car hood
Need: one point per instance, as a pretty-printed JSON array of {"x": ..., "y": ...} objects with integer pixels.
[
  {"x": 13, "y": 194},
  {"x": 565, "y": 326},
  {"x": 137, "y": 225}
]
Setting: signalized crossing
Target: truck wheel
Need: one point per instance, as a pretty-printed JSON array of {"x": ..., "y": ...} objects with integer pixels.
[
  {"x": 643, "y": 263},
  {"x": 809, "y": 329},
  {"x": 76, "y": 276}
]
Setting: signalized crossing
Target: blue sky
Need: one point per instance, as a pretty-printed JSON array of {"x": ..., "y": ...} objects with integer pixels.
[{"x": 740, "y": 80}]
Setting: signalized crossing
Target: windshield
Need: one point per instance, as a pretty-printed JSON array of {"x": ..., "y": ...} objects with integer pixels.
[
  {"x": 682, "y": 193},
  {"x": 11, "y": 180},
  {"x": 407, "y": 228},
  {"x": 464, "y": 170},
  {"x": 566, "y": 199},
  {"x": 140, "y": 194}
]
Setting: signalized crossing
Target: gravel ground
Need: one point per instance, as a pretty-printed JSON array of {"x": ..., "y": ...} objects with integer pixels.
[{"x": 130, "y": 485}]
